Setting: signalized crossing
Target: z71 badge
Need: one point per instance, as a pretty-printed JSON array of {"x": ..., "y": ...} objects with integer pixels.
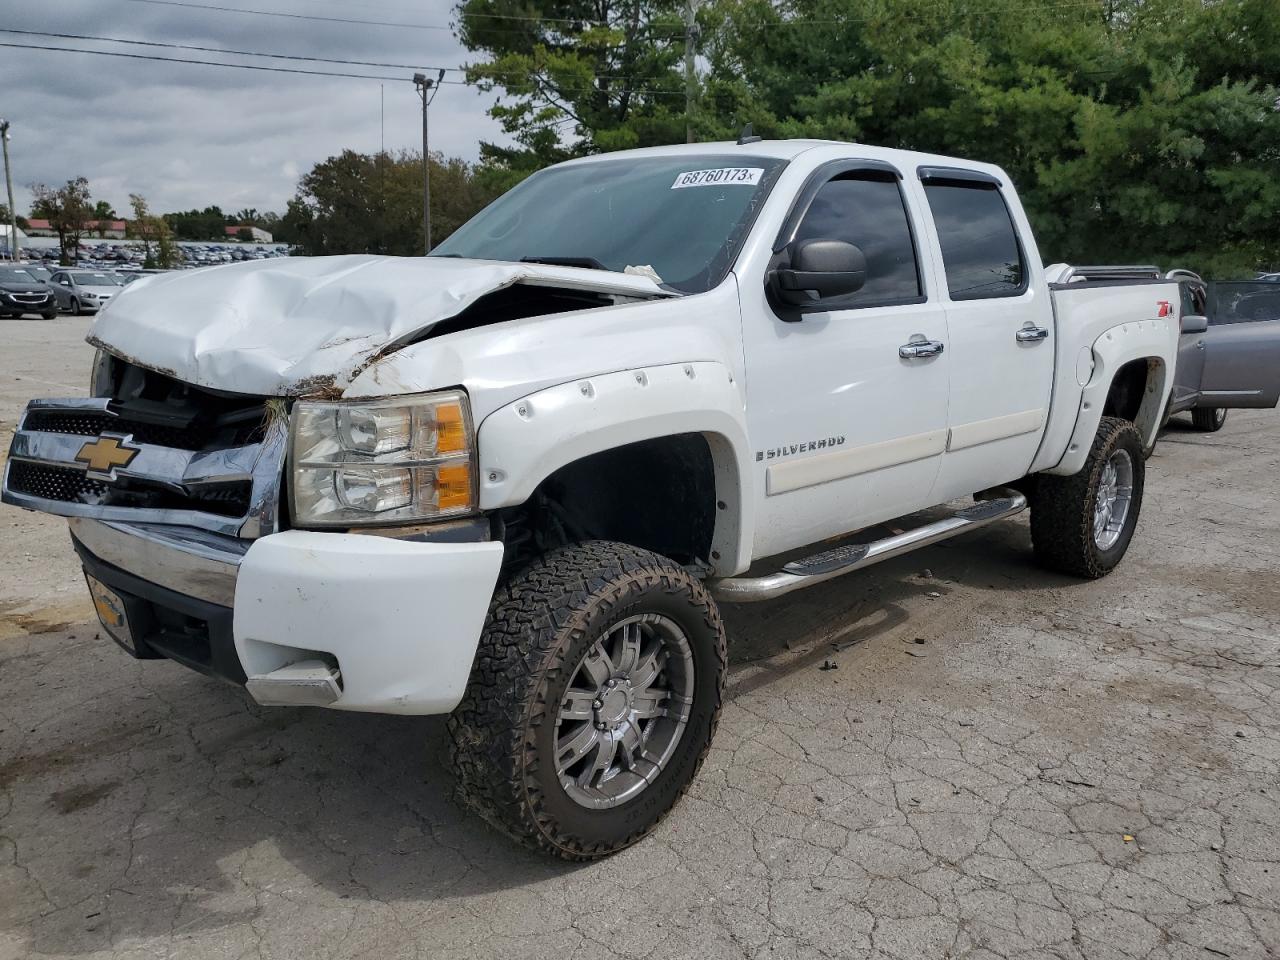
[{"x": 777, "y": 453}]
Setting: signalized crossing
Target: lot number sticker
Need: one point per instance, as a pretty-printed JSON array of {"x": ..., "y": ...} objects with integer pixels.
[{"x": 746, "y": 176}]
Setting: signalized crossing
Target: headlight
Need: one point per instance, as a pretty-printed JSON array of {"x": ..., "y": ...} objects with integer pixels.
[
  {"x": 100, "y": 374},
  {"x": 380, "y": 462}
]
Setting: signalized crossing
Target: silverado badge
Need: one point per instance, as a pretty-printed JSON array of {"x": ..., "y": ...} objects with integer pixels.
[{"x": 103, "y": 455}]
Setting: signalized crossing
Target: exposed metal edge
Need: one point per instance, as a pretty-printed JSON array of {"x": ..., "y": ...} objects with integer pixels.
[
  {"x": 190, "y": 561},
  {"x": 752, "y": 589}
]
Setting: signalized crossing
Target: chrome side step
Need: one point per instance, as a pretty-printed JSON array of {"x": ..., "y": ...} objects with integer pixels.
[{"x": 854, "y": 556}]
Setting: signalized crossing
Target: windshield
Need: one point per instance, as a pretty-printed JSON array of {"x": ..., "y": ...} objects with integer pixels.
[
  {"x": 1244, "y": 301},
  {"x": 95, "y": 280},
  {"x": 681, "y": 217},
  {"x": 16, "y": 276}
]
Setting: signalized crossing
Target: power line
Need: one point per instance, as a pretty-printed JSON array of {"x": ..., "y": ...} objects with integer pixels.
[
  {"x": 293, "y": 16},
  {"x": 238, "y": 53},
  {"x": 207, "y": 63},
  {"x": 297, "y": 70}
]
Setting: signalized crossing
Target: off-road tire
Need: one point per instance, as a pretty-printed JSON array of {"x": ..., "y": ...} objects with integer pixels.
[
  {"x": 1062, "y": 507},
  {"x": 540, "y": 623},
  {"x": 1208, "y": 419}
]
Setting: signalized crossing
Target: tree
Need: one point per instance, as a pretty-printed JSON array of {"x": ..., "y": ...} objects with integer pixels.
[
  {"x": 1127, "y": 142},
  {"x": 103, "y": 214},
  {"x": 154, "y": 232},
  {"x": 372, "y": 203},
  {"x": 68, "y": 210},
  {"x": 577, "y": 77},
  {"x": 207, "y": 224}
]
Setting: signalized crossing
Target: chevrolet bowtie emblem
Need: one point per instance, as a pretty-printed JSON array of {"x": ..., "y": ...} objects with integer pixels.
[{"x": 106, "y": 453}]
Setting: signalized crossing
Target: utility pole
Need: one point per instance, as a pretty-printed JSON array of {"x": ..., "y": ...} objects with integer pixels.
[
  {"x": 8, "y": 183},
  {"x": 427, "y": 89},
  {"x": 691, "y": 34}
]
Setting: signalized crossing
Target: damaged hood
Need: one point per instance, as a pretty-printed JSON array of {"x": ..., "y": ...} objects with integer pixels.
[{"x": 307, "y": 325}]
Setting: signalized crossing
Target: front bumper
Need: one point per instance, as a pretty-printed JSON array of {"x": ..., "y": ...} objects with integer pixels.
[
  {"x": 27, "y": 302},
  {"x": 400, "y": 620}
]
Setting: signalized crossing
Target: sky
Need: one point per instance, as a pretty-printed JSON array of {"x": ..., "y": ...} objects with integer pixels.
[{"x": 188, "y": 136}]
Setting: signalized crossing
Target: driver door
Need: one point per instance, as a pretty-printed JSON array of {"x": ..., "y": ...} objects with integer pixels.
[
  {"x": 1242, "y": 346},
  {"x": 848, "y": 427}
]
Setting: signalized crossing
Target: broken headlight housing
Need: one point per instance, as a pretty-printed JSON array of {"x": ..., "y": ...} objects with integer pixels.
[{"x": 360, "y": 463}]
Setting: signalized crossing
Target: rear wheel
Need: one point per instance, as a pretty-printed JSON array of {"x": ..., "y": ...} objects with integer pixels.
[
  {"x": 1209, "y": 419},
  {"x": 593, "y": 698},
  {"x": 1082, "y": 524}
]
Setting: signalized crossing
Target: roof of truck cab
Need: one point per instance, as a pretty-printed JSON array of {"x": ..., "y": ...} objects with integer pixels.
[{"x": 791, "y": 149}]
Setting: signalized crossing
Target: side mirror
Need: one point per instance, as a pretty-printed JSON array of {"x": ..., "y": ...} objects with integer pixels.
[
  {"x": 1194, "y": 323},
  {"x": 817, "y": 270}
]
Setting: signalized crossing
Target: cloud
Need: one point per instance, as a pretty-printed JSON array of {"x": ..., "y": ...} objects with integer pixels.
[{"x": 188, "y": 136}]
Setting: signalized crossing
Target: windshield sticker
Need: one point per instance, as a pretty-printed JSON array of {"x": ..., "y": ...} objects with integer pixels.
[{"x": 745, "y": 176}]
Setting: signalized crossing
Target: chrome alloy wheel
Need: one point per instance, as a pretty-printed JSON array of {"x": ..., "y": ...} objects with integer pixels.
[
  {"x": 1114, "y": 497},
  {"x": 625, "y": 711}
]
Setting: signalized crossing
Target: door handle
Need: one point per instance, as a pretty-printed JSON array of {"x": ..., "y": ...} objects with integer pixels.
[
  {"x": 917, "y": 349},
  {"x": 1031, "y": 334}
]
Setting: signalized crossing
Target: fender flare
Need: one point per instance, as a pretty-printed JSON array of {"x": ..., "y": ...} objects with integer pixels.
[
  {"x": 528, "y": 440},
  {"x": 1138, "y": 340}
]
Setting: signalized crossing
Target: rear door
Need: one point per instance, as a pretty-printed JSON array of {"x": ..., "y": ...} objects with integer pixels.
[
  {"x": 1000, "y": 328},
  {"x": 1242, "y": 346}
]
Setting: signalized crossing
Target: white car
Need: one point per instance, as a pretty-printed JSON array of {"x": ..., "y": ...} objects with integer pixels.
[{"x": 512, "y": 481}]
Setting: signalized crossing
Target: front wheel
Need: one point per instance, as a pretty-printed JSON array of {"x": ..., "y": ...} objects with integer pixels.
[
  {"x": 592, "y": 701},
  {"x": 50, "y": 314},
  {"x": 1209, "y": 419},
  {"x": 1082, "y": 525},
  {"x": 76, "y": 309}
]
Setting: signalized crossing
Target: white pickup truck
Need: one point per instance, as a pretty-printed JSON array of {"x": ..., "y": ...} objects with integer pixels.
[{"x": 510, "y": 481}]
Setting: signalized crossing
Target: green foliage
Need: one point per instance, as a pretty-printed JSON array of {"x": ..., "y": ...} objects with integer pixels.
[
  {"x": 578, "y": 76},
  {"x": 68, "y": 209},
  {"x": 372, "y": 203},
  {"x": 207, "y": 224},
  {"x": 155, "y": 234},
  {"x": 1135, "y": 130}
]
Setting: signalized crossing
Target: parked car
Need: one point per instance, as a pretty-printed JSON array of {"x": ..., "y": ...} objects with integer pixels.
[
  {"x": 1229, "y": 351},
  {"x": 84, "y": 291},
  {"x": 21, "y": 292},
  {"x": 523, "y": 472}
]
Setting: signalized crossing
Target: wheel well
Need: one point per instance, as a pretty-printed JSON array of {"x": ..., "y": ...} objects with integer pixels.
[
  {"x": 1128, "y": 387},
  {"x": 658, "y": 494}
]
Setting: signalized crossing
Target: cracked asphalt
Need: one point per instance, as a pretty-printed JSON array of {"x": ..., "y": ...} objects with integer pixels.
[{"x": 996, "y": 762}]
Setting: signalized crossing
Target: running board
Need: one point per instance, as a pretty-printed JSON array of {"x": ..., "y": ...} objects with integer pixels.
[{"x": 854, "y": 556}]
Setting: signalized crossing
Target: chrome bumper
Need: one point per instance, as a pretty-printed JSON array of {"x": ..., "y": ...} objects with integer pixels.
[{"x": 187, "y": 560}]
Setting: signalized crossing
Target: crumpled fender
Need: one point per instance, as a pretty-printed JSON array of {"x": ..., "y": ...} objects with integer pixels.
[{"x": 523, "y": 443}]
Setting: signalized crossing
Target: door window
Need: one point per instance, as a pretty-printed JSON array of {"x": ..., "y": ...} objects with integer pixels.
[
  {"x": 866, "y": 208},
  {"x": 980, "y": 249}
]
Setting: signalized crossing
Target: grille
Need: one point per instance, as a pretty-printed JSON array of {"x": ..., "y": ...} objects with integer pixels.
[
  {"x": 54, "y": 483},
  {"x": 83, "y": 423},
  {"x": 69, "y": 485}
]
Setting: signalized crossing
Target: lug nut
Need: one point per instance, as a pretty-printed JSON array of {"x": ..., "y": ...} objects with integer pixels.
[{"x": 597, "y": 704}]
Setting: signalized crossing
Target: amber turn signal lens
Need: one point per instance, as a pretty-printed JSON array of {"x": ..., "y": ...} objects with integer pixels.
[
  {"x": 451, "y": 429},
  {"x": 453, "y": 487}
]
